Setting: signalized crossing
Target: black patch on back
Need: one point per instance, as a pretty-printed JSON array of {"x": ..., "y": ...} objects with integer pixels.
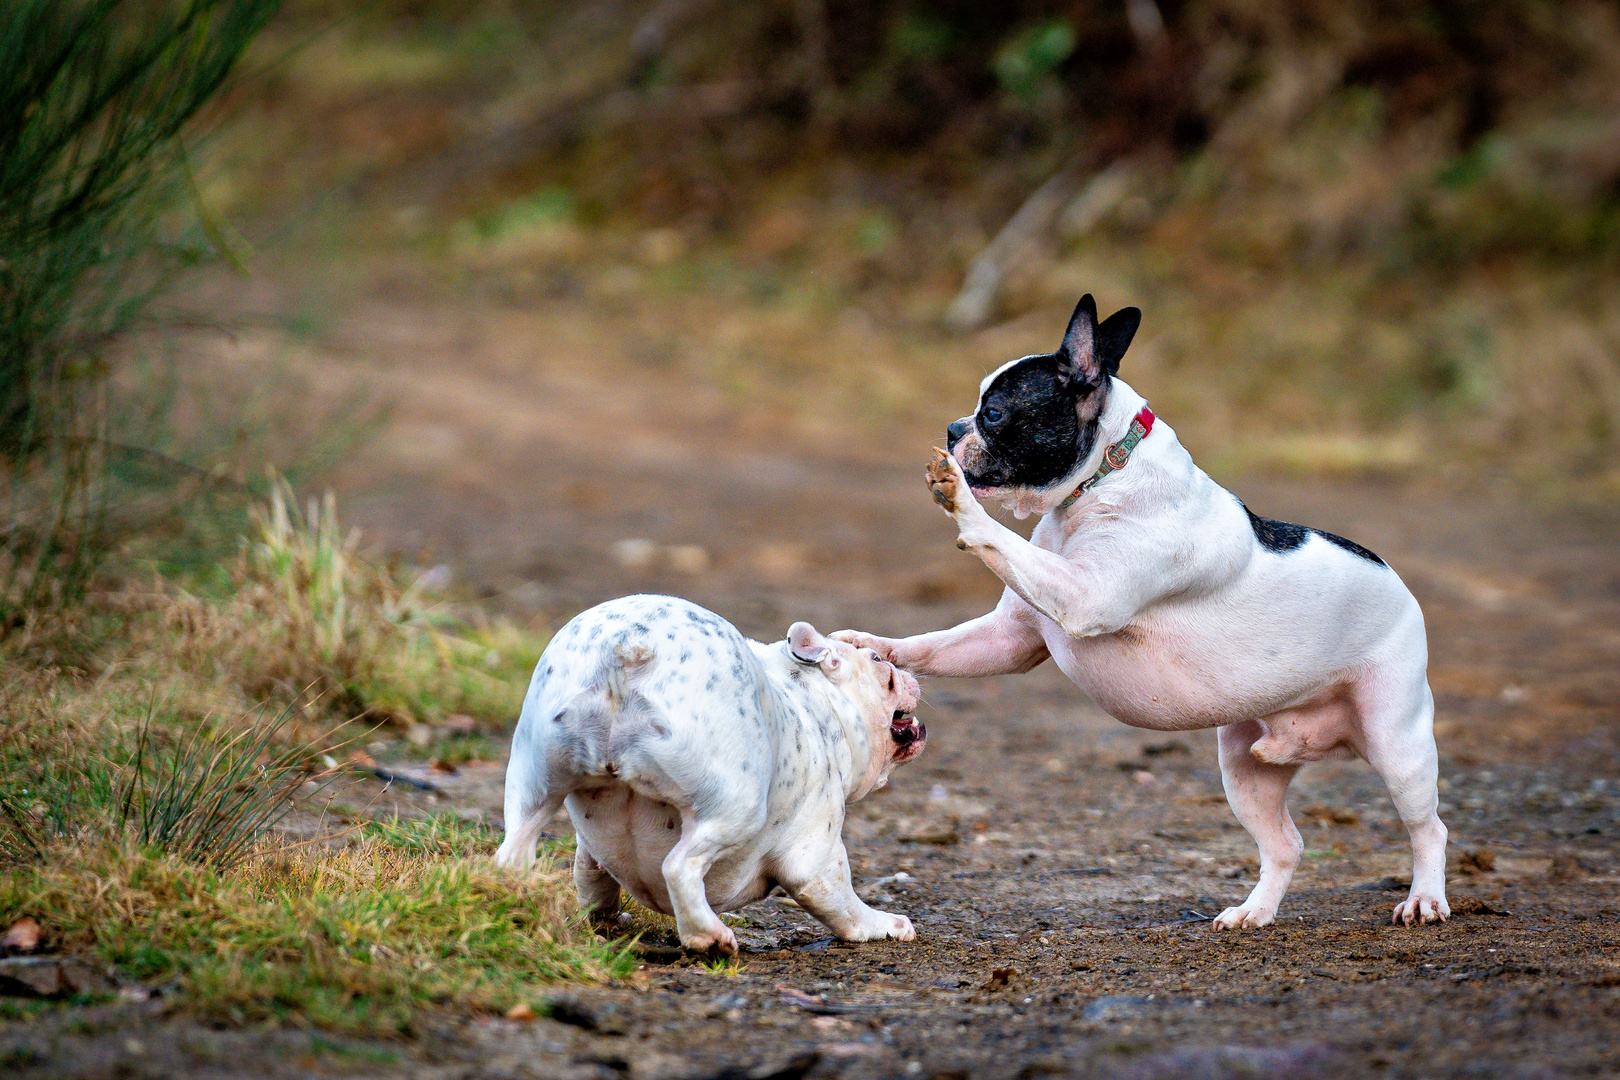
[
  {"x": 1282, "y": 537},
  {"x": 1039, "y": 440}
]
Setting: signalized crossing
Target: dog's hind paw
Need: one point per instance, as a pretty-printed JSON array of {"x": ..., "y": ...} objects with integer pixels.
[
  {"x": 1421, "y": 908},
  {"x": 1244, "y": 918}
]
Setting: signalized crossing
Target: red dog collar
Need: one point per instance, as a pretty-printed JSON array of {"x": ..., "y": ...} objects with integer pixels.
[{"x": 1117, "y": 456}]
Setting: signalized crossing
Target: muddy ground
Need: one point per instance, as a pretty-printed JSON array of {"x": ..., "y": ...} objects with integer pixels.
[{"x": 1059, "y": 867}]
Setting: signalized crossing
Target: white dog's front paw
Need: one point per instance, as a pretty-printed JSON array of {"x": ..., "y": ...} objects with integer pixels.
[
  {"x": 1245, "y": 918},
  {"x": 1421, "y": 908},
  {"x": 879, "y": 925},
  {"x": 718, "y": 937}
]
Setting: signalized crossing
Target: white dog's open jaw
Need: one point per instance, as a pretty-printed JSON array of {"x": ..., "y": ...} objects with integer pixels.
[{"x": 909, "y": 735}]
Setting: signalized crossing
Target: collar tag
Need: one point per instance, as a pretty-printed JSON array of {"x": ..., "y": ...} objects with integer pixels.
[{"x": 1117, "y": 456}]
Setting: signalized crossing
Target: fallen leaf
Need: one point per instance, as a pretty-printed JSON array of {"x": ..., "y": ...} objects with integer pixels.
[
  {"x": 1000, "y": 979},
  {"x": 23, "y": 936},
  {"x": 521, "y": 1011},
  {"x": 362, "y": 759},
  {"x": 440, "y": 765},
  {"x": 1331, "y": 815}
]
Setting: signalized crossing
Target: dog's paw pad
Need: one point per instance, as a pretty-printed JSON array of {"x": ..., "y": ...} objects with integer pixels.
[
  {"x": 942, "y": 480},
  {"x": 1419, "y": 909}
]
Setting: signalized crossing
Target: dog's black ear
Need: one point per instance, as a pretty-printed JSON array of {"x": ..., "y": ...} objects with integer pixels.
[
  {"x": 1114, "y": 337},
  {"x": 1077, "y": 356}
]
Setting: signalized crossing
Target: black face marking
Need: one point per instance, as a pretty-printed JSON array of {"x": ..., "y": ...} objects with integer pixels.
[
  {"x": 1037, "y": 420},
  {"x": 1029, "y": 426},
  {"x": 1282, "y": 537}
]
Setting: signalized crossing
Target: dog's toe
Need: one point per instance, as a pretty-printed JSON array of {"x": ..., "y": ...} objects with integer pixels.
[
  {"x": 1419, "y": 909},
  {"x": 1243, "y": 918}
]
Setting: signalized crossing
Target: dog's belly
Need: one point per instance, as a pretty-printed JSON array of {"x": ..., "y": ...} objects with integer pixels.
[
  {"x": 1170, "y": 675},
  {"x": 630, "y": 832}
]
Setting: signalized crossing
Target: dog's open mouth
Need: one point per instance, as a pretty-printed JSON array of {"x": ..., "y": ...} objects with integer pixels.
[{"x": 905, "y": 729}]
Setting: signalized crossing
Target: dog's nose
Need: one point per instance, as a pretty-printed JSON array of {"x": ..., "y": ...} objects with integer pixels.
[{"x": 955, "y": 431}]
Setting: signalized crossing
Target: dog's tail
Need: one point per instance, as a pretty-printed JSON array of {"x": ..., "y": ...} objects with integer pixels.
[{"x": 583, "y": 740}]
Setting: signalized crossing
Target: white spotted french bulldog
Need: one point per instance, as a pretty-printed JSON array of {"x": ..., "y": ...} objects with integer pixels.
[
  {"x": 1172, "y": 606},
  {"x": 701, "y": 769}
]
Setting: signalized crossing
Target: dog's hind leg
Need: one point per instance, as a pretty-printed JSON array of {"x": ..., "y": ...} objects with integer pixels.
[
  {"x": 1256, "y": 791},
  {"x": 598, "y": 891},
  {"x": 1397, "y": 729}
]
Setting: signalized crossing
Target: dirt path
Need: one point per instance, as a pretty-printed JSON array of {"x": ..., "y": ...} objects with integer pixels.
[{"x": 1057, "y": 865}]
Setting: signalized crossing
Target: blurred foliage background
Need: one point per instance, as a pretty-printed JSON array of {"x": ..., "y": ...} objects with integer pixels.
[{"x": 1368, "y": 237}]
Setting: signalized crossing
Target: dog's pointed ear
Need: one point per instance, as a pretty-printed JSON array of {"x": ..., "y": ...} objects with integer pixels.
[
  {"x": 809, "y": 647},
  {"x": 1077, "y": 356},
  {"x": 1114, "y": 337}
]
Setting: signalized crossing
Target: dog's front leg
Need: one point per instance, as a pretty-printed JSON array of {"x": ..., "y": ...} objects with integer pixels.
[
  {"x": 1006, "y": 641},
  {"x": 1077, "y": 600}
]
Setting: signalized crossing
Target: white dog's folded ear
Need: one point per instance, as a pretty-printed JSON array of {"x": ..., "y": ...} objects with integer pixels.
[{"x": 809, "y": 647}]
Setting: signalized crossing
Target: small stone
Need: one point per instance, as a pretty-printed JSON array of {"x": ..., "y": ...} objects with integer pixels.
[
  {"x": 687, "y": 558},
  {"x": 418, "y": 734},
  {"x": 634, "y": 553}
]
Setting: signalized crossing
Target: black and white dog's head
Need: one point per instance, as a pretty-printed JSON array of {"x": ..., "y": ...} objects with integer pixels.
[{"x": 1037, "y": 416}]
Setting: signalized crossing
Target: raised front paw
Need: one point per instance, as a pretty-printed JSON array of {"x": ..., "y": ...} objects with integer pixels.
[
  {"x": 1245, "y": 918},
  {"x": 945, "y": 482},
  {"x": 1420, "y": 908}
]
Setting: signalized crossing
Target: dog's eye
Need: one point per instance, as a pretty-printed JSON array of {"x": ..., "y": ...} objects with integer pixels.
[{"x": 992, "y": 415}]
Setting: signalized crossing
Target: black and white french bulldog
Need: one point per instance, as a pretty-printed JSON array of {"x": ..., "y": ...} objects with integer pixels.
[{"x": 1173, "y": 607}]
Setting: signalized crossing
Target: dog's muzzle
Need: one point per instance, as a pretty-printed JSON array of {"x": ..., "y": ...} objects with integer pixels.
[{"x": 955, "y": 430}]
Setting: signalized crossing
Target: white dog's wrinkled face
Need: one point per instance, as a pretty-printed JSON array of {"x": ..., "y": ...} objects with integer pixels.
[{"x": 884, "y": 696}]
